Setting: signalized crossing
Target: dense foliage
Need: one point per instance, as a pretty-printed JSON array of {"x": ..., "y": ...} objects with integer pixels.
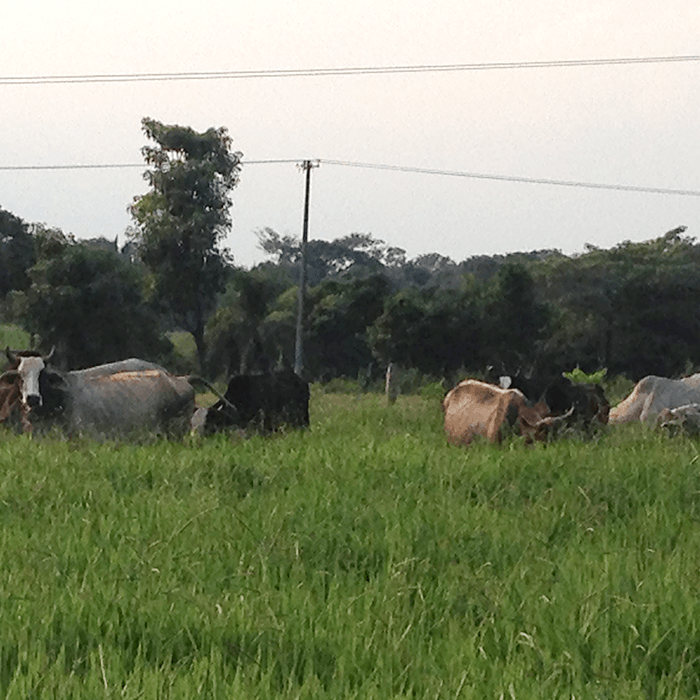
[
  {"x": 630, "y": 309},
  {"x": 87, "y": 300}
]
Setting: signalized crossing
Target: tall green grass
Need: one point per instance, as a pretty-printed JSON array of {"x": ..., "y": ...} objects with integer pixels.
[{"x": 365, "y": 558}]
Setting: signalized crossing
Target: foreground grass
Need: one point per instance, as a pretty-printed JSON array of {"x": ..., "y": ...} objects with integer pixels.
[{"x": 363, "y": 559}]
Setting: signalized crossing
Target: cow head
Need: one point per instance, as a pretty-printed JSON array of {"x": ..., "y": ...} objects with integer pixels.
[{"x": 31, "y": 372}]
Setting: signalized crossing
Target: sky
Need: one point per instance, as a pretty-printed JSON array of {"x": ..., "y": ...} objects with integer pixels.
[{"x": 620, "y": 125}]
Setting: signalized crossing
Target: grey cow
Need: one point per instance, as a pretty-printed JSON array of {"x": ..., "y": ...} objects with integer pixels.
[{"x": 115, "y": 398}]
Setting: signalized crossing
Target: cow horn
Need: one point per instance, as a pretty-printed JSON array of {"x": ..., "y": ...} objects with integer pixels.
[
  {"x": 50, "y": 355},
  {"x": 10, "y": 355},
  {"x": 196, "y": 378},
  {"x": 555, "y": 420}
]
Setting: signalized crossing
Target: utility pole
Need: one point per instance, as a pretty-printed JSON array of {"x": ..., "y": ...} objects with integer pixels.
[{"x": 299, "y": 347}]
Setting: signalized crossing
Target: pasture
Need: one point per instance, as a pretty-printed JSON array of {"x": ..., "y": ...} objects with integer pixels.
[{"x": 365, "y": 558}]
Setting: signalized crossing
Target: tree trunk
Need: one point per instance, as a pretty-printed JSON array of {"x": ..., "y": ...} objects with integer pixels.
[{"x": 198, "y": 335}]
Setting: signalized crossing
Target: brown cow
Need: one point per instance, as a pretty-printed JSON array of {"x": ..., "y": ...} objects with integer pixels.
[
  {"x": 475, "y": 408},
  {"x": 9, "y": 398}
]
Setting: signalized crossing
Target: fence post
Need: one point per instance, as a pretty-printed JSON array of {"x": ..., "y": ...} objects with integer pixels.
[{"x": 392, "y": 383}]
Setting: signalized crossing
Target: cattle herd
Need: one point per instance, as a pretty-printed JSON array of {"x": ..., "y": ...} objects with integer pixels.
[
  {"x": 135, "y": 395},
  {"x": 540, "y": 410}
]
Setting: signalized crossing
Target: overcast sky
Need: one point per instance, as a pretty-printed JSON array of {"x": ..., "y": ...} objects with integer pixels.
[{"x": 631, "y": 125}]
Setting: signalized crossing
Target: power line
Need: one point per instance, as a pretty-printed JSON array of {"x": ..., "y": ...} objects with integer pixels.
[
  {"x": 106, "y": 166},
  {"x": 516, "y": 178},
  {"x": 321, "y": 72},
  {"x": 397, "y": 168}
]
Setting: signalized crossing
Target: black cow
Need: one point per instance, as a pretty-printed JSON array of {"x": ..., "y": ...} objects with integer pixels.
[
  {"x": 262, "y": 401},
  {"x": 561, "y": 394}
]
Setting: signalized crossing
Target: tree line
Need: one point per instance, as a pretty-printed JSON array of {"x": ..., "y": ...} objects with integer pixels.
[{"x": 630, "y": 309}]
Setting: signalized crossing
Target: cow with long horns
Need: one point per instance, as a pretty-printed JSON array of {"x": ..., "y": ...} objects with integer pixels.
[{"x": 477, "y": 409}]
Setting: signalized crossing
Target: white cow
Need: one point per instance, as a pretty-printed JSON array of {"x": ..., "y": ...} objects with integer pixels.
[
  {"x": 652, "y": 395},
  {"x": 684, "y": 418}
]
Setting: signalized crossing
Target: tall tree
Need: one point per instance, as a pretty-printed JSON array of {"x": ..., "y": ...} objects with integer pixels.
[{"x": 182, "y": 221}]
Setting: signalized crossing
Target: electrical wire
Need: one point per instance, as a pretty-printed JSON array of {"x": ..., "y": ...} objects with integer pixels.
[
  {"x": 517, "y": 178},
  {"x": 322, "y": 72},
  {"x": 398, "y": 168},
  {"x": 105, "y": 166}
]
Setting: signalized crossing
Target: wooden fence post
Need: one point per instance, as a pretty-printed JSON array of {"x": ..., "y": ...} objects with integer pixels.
[{"x": 392, "y": 383}]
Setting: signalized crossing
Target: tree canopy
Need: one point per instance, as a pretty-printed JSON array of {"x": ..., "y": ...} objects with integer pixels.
[
  {"x": 182, "y": 220},
  {"x": 87, "y": 301}
]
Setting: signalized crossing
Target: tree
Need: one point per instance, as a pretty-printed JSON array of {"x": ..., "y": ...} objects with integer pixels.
[
  {"x": 182, "y": 221},
  {"x": 339, "y": 315},
  {"x": 87, "y": 301},
  {"x": 236, "y": 333},
  {"x": 16, "y": 253},
  {"x": 356, "y": 255},
  {"x": 630, "y": 309},
  {"x": 516, "y": 321},
  {"x": 434, "y": 330}
]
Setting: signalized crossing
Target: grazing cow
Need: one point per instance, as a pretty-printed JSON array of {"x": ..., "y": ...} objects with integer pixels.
[
  {"x": 588, "y": 401},
  {"x": 265, "y": 401},
  {"x": 682, "y": 419},
  {"x": 475, "y": 408},
  {"x": 653, "y": 394},
  {"x": 116, "y": 398}
]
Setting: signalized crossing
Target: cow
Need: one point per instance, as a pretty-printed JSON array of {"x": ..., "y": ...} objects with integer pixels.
[
  {"x": 116, "y": 398},
  {"x": 588, "y": 401},
  {"x": 474, "y": 408},
  {"x": 16, "y": 397},
  {"x": 266, "y": 402},
  {"x": 682, "y": 419},
  {"x": 652, "y": 394}
]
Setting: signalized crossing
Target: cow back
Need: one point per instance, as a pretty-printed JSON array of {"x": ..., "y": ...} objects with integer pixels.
[
  {"x": 474, "y": 408},
  {"x": 266, "y": 402},
  {"x": 124, "y": 402}
]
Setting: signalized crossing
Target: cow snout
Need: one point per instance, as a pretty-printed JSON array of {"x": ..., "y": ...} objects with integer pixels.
[{"x": 34, "y": 400}]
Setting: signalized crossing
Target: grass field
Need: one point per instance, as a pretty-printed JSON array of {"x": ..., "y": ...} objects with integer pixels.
[{"x": 365, "y": 558}]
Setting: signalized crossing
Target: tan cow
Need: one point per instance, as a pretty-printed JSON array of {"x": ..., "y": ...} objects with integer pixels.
[
  {"x": 475, "y": 408},
  {"x": 652, "y": 395}
]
